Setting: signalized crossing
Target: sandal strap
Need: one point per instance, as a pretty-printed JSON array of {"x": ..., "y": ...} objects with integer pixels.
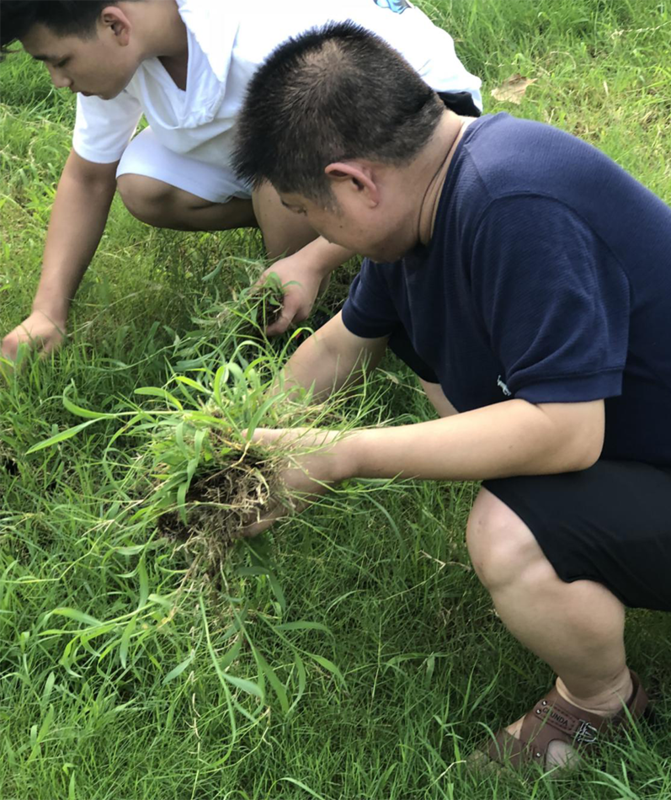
[
  {"x": 507, "y": 749},
  {"x": 555, "y": 719}
]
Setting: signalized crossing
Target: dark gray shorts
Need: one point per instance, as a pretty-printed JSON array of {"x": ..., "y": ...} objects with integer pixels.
[{"x": 610, "y": 523}]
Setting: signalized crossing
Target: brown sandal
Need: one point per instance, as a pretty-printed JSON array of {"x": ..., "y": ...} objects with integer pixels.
[{"x": 555, "y": 719}]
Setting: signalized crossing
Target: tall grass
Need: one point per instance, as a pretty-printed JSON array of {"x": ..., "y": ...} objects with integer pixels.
[{"x": 348, "y": 653}]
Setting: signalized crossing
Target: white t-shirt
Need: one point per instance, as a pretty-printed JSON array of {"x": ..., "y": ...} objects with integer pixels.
[{"x": 227, "y": 41}]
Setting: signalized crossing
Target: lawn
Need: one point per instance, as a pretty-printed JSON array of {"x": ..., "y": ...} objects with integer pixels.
[{"x": 348, "y": 653}]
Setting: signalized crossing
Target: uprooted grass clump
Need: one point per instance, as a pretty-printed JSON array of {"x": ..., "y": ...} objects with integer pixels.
[
  {"x": 208, "y": 485},
  {"x": 228, "y": 494},
  {"x": 208, "y": 479}
]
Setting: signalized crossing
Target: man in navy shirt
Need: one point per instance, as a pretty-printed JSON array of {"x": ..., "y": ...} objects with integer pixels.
[{"x": 526, "y": 279}]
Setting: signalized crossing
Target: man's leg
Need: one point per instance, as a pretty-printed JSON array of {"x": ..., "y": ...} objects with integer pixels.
[
  {"x": 157, "y": 203},
  {"x": 283, "y": 231},
  {"x": 161, "y": 205},
  {"x": 577, "y": 628}
]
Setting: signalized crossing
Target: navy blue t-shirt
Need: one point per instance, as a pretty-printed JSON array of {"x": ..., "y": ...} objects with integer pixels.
[{"x": 548, "y": 278}]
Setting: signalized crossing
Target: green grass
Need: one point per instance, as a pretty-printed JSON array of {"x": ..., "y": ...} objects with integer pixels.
[{"x": 351, "y": 652}]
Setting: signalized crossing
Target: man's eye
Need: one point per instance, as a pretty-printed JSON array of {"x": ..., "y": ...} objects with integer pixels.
[{"x": 62, "y": 63}]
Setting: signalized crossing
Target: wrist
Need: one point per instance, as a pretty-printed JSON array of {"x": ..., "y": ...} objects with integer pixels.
[
  {"x": 349, "y": 456},
  {"x": 324, "y": 257},
  {"x": 55, "y": 310}
]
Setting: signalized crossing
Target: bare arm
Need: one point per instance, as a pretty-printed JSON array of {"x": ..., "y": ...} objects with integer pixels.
[
  {"x": 331, "y": 358},
  {"x": 505, "y": 439},
  {"x": 514, "y": 437},
  {"x": 78, "y": 218},
  {"x": 497, "y": 441}
]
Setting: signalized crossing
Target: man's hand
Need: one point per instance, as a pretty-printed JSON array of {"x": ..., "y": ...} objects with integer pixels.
[
  {"x": 78, "y": 218},
  {"x": 301, "y": 282},
  {"x": 317, "y": 460},
  {"x": 37, "y": 331}
]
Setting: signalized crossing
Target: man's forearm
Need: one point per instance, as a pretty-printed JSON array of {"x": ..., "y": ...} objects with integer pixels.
[
  {"x": 77, "y": 223},
  {"x": 330, "y": 359},
  {"x": 315, "y": 365},
  {"x": 325, "y": 256},
  {"x": 505, "y": 439}
]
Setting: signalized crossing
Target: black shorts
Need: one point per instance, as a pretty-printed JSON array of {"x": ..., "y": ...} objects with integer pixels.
[
  {"x": 461, "y": 103},
  {"x": 610, "y": 523}
]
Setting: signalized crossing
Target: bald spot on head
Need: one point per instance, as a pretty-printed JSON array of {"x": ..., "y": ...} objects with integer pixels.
[{"x": 337, "y": 92}]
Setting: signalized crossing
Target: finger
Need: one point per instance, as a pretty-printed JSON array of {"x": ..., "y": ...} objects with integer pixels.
[
  {"x": 281, "y": 324},
  {"x": 294, "y": 309},
  {"x": 264, "y": 276},
  {"x": 9, "y": 347},
  {"x": 260, "y": 281},
  {"x": 46, "y": 350},
  {"x": 255, "y": 526},
  {"x": 52, "y": 344},
  {"x": 19, "y": 345},
  {"x": 266, "y": 436},
  {"x": 302, "y": 314},
  {"x": 270, "y": 274},
  {"x": 250, "y": 531}
]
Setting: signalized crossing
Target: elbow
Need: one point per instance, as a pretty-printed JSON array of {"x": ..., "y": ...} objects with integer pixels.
[
  {"x": 576, "y": 435},
  {"x": 90, "y": 175},
  {"x": 587, "y": 460},
  {"x": 584, "y": 451}
]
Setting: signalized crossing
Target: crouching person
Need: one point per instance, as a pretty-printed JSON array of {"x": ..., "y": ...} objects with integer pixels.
[
  {"x": 185, "y": 65},
  {"x": 525, "y": 278}
]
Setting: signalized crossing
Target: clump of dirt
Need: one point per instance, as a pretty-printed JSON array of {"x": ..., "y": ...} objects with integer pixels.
[
  {"x": 219, "y": 503},
  {"x": 9, "y": 466},
  {"x": 8, "y": 463}
]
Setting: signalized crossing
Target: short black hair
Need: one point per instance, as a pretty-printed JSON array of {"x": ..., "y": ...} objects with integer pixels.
[
  {"x": 63, "y": 17},
  {"x": 334, "y": 93}
]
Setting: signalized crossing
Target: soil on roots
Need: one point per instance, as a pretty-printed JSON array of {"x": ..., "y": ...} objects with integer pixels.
[{"x": 219, "y": 503}]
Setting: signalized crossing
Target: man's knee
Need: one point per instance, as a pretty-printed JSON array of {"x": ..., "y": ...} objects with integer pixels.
[
  {"x": 147, "y": 199},
  {"x": 503, "y": 549},
  {"x": 284, "y": 232}
]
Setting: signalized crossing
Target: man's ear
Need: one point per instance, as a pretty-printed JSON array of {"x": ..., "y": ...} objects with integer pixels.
[
  {"x": 113, "y": 19},
  {"x": 357, "y": 177}
]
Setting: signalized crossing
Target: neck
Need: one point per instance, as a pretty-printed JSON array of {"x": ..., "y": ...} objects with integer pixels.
[
  {"x": 436, "y": 159},
  {"x": 161, "y": 30}
]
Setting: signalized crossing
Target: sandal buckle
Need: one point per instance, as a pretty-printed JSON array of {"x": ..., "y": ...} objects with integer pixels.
[{"x": 586, "y": 733}]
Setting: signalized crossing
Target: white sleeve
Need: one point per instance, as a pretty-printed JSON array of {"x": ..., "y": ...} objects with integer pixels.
[{"x": 103, "y": 128}]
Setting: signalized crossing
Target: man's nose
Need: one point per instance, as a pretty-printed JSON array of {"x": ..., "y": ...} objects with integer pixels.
[{"x": 59, "y": 80}]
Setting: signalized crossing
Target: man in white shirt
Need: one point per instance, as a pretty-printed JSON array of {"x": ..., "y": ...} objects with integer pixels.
[{"x": 185, "y": 66}]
